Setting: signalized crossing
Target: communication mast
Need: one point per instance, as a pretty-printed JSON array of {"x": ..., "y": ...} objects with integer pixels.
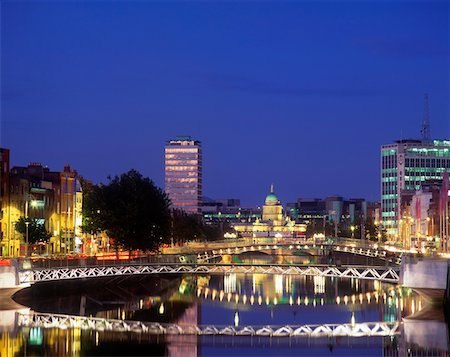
[{"x": 425, "y": 131}]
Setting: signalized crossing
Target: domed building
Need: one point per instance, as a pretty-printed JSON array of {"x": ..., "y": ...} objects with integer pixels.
[
  {"x": 272, "y": 209},
  {"x": 273, "y": 222}
]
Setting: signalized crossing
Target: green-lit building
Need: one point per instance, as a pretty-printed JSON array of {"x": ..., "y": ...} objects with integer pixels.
[{"x": 405, "y": 165}]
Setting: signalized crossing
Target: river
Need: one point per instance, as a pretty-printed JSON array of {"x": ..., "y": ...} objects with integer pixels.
[{"x": 233, "y": 300}]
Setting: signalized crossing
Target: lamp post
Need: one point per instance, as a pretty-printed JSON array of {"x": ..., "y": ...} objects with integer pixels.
[
  {"x": 26, "y": 237},
  {"x": 27, "y": 222},
  {"x": 13, "y": 239},
  {"x": 352, "y": 227}
]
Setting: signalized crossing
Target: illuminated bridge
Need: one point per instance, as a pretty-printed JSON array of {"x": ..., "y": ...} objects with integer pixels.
[
  {"x": 372, "y": 250},
  {"x": 45, "y": 320},
  {"x": 384, "y": 274}
]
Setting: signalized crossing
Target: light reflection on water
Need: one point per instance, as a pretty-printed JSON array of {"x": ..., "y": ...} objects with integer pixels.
[{"x": 232, "y": 299}]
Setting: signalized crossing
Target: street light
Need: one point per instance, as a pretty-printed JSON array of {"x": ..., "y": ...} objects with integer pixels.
[
  {"x": 353, "y": 231},
  {"x": 14, "y": 240},
  {"x": 27, "y": 222}
]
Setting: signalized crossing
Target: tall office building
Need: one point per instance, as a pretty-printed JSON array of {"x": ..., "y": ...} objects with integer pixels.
[
  {"x": 405, "y": 165},
  {"x": 183, "y": 169}
]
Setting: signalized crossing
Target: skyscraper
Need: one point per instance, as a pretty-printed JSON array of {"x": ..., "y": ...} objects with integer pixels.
[
  {"x": 183, "y": 171},
  {"x": 405, "y": 165}
]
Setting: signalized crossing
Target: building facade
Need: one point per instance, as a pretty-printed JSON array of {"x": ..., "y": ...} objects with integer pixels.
[
  {"x": 423, "y": 222},
  {"x": 53, "y": 198},
  {"x": 274, "y": 222},
  {"x": 405, "y": 165},
  {"x": 183, "y": 173},
  {"x": 4, "y": 194}
]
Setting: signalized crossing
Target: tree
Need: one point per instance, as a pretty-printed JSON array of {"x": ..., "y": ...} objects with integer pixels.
[
  {"x": 132, "y": 211},
  {"x": 36, "y": 231},
  {"x": 92, "y": 222},
  {"x": 186, "y": 227}
]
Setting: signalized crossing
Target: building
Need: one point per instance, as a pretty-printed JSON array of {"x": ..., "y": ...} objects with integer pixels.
[
  {"x": 4, "y": 198},
  {"x": 405, "y": 165},
  {"x": 54, "y": 198},
  {"x": 183, "y": 173},
  {"x": 422, "y": 223},
  {"x": 311, "y": 208},
  {"x": 274, "y": 223}
]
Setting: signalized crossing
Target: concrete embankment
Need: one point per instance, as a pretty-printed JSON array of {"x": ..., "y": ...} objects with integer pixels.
[{"x": 428, "y": 276}]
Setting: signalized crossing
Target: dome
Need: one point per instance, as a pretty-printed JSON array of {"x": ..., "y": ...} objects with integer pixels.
[{"x": 271, "y": 199}]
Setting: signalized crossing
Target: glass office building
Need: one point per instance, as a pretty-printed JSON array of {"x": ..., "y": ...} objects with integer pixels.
[
  {"x": 405, "y": 165},
  {"x": 183, "y": 171}
]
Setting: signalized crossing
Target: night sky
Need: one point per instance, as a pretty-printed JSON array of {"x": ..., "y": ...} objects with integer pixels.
[{"x": 301, "y": 94}]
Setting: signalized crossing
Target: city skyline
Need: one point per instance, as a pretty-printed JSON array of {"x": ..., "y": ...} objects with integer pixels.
[{"x": 274, "y": 93}]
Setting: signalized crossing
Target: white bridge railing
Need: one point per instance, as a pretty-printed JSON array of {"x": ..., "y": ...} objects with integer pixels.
[
  {"x": 45, "y": 320},
  {"x": 385, "y": 274},
  {"x": 372, "y": 252}
]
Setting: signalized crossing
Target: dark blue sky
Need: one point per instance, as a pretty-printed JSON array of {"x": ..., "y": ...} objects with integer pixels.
[{"x": 301, "y": 94}]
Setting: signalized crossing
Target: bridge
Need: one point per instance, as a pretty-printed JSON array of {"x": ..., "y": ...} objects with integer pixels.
[
  {"x": 384, "y": 274},
  {"x": 347, "y": 246},
  {"x": 17, "y": 277},
  {"x": 45, "y": 320}
]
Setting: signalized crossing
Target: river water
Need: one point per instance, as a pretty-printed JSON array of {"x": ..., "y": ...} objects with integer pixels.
[{"x": 219, "y": 300}]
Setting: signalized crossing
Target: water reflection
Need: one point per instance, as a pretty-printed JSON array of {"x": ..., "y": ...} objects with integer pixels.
[{"x": 233, "y": 299}]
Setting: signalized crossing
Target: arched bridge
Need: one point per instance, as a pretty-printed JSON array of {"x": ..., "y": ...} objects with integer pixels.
[{"x": 373, "y": 251}]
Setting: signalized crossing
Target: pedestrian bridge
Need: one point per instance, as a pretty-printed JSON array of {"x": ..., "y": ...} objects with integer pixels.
[
  {"x": 45, "y": 320},
  {"x": 384, "y": 274},
  {"x": 368, "y": 250}
]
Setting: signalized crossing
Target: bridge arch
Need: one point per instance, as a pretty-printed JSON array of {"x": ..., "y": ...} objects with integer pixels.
[{"x": 369, "y": 251}]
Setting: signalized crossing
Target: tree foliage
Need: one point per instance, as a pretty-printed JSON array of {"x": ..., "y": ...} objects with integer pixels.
[
  {"x": 37, "y": 233},
  {"x": 92, "y": 222},
  {"x": 132, "y": 211},
  {"x": 190, "y": 227},
  {"x": 186, "y": 227}
]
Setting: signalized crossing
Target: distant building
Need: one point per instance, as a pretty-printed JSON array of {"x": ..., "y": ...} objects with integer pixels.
[
  {"x": 310, "y": 208},
  {"x": 183, "y": 173},
  {"x": 222, "y": 212},
  {"x": 274, "y": 222},
  {"x": 405, "y": 165},
  {"x": 335, "y": 209},
  {"x": 223, "y": 205},
  {"x": 374, "y": 212}
]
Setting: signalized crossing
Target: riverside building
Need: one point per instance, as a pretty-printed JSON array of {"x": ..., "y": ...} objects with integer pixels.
[
  {"x": 405, "y": 165},
  {"x": 183, "y": 173},
  {"x": 274, "y": 223}
]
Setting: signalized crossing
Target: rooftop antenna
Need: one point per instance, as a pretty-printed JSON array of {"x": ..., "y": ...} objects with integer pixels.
[{"x": 425, "y": 131}]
